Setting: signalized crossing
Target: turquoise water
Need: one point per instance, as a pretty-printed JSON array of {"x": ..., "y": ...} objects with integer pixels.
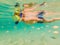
[{"x": 28, "y": 34}]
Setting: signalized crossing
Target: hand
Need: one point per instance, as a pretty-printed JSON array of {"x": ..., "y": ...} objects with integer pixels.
[{"x": 44, "y": 3}]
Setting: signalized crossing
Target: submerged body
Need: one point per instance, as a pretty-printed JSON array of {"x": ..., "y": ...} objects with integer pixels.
[{"x": 30, "y": 15}]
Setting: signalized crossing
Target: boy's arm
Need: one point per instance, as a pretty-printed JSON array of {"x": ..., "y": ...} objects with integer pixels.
[
  {"x": 36, "y": 6},
  {"x": 43, "y": 4},
  {"x": 52, "y": 20}
]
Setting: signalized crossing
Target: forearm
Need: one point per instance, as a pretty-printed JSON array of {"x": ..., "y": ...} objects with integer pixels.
[
  {"x": 39, "y": 5},
  {"x": 48, "y": 21},
  {"x": 52, "y": 20},
  {"x": 43, "y": 4}
]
